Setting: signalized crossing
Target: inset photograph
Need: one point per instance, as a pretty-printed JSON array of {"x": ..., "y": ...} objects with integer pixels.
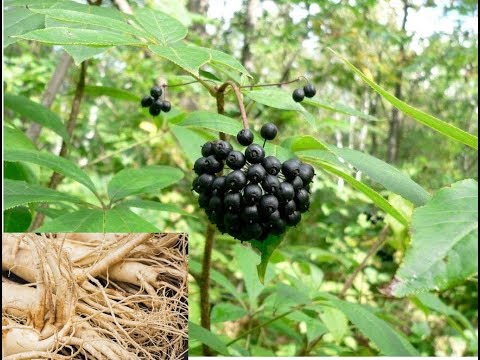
[{"x": 94, "y": 296}]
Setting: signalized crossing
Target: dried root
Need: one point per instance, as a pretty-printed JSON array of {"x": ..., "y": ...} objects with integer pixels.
[{"x": 94, "y": 296}]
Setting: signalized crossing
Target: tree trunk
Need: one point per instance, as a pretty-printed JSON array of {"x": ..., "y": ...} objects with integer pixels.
[
  {"x": 248, "y": 31},
  {"x": 33, "y": 131},
  {"x": 198, "y": 7},
  {"x": 395, "y": 123}
]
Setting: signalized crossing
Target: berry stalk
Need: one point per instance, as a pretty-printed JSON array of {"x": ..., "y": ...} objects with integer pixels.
[{"x": 238, "y": 94}]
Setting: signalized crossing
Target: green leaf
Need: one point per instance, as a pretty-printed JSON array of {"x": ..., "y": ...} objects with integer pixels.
[
  {"x": 339, "y": 108},
  {"x": 196, "y": 332},
  {"x": 122, "y": 220},
  {"x": 111, "y": 92},
  {"x": 424, "y": 118},
  {"x": 221, "y": 59},
  {"x": 217, "y": 277},
  {"x": 53, "y": 162},
  {"x": 143, "y": 180},
  {"x": 279, "y": 99},
  {"x": 190, "y": 141},
  {"x": 266, "y": 248},
  {"x": 163, "y": 27},
  {"x": 155, "y": 205},
  {"x": 18, "y": 21},
  {"x": 85, "y": 18},
  {"x": 212, "y": 121},
  {"x": 226, "y": 312},
  {"x": 35, "y": 112},
  {"x": 85, "y": 220},
  {"x": 335, "y": 321},
  {"x": 246, "y": 260},
  {"x": 189, "y": 58},
  {"x": 378, "y": 199},
  {"x": 81, "y": 53},
  {"x": 73, "y": 36},
  {"x": 383, "y": 335},
  {"x": 434, "y": 303},
  {"x": 444, "y": 248},
  {"x": 15, "y": 139},
  {"x": 17, "y": 219},
  {"x": 19, "y": 171},
  {"x": 116, "y": 220},
  {"x": 20, "y": 193},
  {"x": 390, "y": 177}
]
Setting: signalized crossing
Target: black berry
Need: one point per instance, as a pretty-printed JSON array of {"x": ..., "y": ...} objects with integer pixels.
[
  {"x": 156, "y": 92},
  {"x": 289, "y": 207},
  {"x": 222, "y": 148},
  {"x": 250, "y": 214},
  {"x": 235, "y": 160},
  {"x": 271, "y": 184},
  {"x": 293, "y": 218},
  {"x": 204, "y": 183},
  {"x": 200, "y": 166},
  {"x": 219, "y": 185},
  {"x": 268, "y": 131},
  {"x": 296, "y": 182},
  {"x": 147, "y": 101},
  {"x": 254, "y": 153},
  {"x": 232, "y": 202},
  {"x": 309, "y": 90},
  {"x": 276, "y": 226},
  {"x": 203, "y": 200},
  {"x": 207, "y": 149},
  {"x": 252, "y": 194},
  {"x": 245, "y": 137},
  {"x": 272, "y": 165},
  {"x": 236, "y": 180},
  {"x": 213, "y": 165},
  {"x": 306, "y": 173},
  {"x": 256, "y": 173},
  {"x": 165, "y": 106},
  {"x": 268, "y": 204},
  {"x": 302, "y": 200},
  {"x": 298, "y": 95},
  {"x": 290, "y": 168},
  {"x": 216, "y": 203},
  {"x": 285, "y": 192},
  {"x": 252, "y": 231},
  {"x": 154, "y": 109}
]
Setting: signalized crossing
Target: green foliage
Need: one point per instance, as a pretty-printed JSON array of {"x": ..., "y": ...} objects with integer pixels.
[
  {"x": 444, "y": 247},
  {"x": 283, "y": 296},
  {"x": 35, "y": 112}
]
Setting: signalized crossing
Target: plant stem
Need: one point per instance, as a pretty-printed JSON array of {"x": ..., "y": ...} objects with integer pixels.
[
  {"x": 382, "y": 238},
  {"x": 56, "y": 178},
  {"x": 205, "y": 282},
  {"x": 273, "y": 84},
  {"x": 298, "y": 307},
  {"x": 236, "y": 89}
]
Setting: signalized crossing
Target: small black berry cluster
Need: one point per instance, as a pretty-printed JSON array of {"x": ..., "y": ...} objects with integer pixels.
[
  {"x": 260, "y": 196},
  {"x": 154, "y": 102},
  {"x": 308, "y": 91}
]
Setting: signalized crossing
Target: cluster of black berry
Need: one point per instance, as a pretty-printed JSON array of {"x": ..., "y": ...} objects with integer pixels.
[
  {"x": 308, "y": 90},
  {"x": 155, "y": 103},
  {"x": 260, "y": 196}
]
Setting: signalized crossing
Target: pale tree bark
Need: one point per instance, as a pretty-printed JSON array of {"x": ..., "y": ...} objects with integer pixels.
[
  {"x": 395, "y": 123},
  {"x": 248, "y": 33},
  {"x": 58, "y": 77},
  {"x": 198, "y": 7}
]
